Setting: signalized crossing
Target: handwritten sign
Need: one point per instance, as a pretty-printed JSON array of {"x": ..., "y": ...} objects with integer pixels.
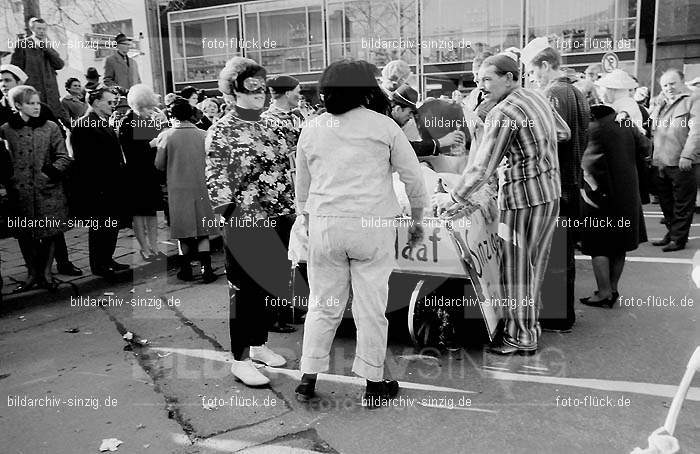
[{"x": 468, "y": 248}]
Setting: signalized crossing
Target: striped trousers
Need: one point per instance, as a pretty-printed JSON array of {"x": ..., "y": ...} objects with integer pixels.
[{"x": 527, "y": 236}]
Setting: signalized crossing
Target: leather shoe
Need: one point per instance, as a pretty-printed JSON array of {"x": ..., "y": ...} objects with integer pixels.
[
  {"x": 68, "y": 269},
  {"x": 119, "y": 266},
  {"x": 662, "y": 242},
  {"x": 673, "y": 246},
  {"x": 107, "y": 271}
]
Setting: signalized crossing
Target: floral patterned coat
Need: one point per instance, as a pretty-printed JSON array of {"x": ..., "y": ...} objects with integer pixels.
[
  {"x": 288, "y": 126},
  {"x": 39, "y": 158},
  {"x": 248, "y": 165}
]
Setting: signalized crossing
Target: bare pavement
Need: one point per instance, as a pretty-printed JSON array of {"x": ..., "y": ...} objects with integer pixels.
[{"x": 69, "y": 379}]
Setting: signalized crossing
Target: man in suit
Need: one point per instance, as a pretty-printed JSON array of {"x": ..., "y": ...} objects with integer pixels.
[
  {"x": 119, "y": 69},
  {"x": 37, "y": 57},
  {"x": 98, "y": 163}
]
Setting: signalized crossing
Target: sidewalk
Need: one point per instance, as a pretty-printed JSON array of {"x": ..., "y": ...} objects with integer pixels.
[{"x": 127, "y": 252}]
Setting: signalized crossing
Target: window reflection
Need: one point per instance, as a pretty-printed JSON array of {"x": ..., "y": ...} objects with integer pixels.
[
  {"x": 455, "y": 31},
  {"x": 590, "y": 26},
  {"x": 376, "y": 30}
]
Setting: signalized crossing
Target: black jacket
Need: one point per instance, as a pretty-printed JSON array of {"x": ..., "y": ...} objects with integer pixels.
[{"x": 98, "y": 168}]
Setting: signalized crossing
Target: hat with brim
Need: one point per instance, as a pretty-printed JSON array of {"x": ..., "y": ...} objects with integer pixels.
[
  {"x": 618, "y": 80},
  {"x": 122, "y": 38},
  {"x": 405, "y": 96},
  {"x": 16, "y": 71}
]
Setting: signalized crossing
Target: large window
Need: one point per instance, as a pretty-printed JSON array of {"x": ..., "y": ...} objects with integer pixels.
[
  {"x": 587, "y": 26},
  {"x": 286, "y": 36},
  {"x": 455, "y": 30},
  {"x": 374, "y": 30},
  {"x": 200, "y": 46}
]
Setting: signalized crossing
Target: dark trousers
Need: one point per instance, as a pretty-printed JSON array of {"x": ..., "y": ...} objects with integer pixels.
[
  {"x": 101, "y": 245},
  {"x": 677, "y": 190},
  {"x": 558, "y": 287},
  {"x": 60, "y": 253},
  {"x": 258, "y": 273}
]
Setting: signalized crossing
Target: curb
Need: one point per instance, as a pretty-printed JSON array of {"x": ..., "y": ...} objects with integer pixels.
[{"x": 88, "y": 283}]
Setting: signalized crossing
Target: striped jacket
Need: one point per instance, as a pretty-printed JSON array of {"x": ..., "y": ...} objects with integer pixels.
[{"x": 521, "y": 128}]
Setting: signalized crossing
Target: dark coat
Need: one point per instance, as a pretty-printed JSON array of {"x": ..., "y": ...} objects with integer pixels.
[
  {"x": 41, "y": 65},
  {"x": 5, "y": 174},
  {"x": 98, "y": 169},
  {"x": 145, "y": 196},
  {"x": 611, "y": 164},
  {"x": 39, "y": 161}
]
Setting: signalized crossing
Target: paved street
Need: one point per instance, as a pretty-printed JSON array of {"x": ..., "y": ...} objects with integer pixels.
[{"x": 601, "y": 389}]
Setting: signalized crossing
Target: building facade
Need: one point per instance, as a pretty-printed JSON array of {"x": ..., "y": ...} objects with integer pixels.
[
  {"x": 81, "y": 31},
  {"x": 438, "y": 38}
]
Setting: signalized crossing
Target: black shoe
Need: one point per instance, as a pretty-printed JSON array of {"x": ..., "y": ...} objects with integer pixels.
[
  {"x": 31, "y": 284},
  {"x": 662, "y": 242},
  {"x": 119, "y": 266},
  {"x": 379, "y": 393},
  {"x": 501, "y": 348},
  {"x": 673, "y": 246},
  {"x": 185, "y": 274},
  {"x": 209, "y": 276},
  {"x": 281, "y": 327},
  {"x": 68, "y": 269},
  {"x": 306, "y": 389},
  {"x": 104, "y": 271},
  {"x": 609, "y": 302}
]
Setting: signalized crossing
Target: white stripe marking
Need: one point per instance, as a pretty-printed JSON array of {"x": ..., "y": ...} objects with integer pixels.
[
  {"x": 452, "y": 407},
  {"x": 534, "y": 367},
  {"x": 651, "y": 389},
  {"x": 296, "y": 374},
  {"x": 647, "y": 260},
  {"x": 495, "y": 368}
]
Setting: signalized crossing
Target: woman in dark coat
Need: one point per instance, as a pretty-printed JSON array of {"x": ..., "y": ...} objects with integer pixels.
[
  {"x": 39, "y": 206},
  {"x": 181, "y": 153},
  {"x": 136, "y": 133},
  {"x": 612, "y": 208}
]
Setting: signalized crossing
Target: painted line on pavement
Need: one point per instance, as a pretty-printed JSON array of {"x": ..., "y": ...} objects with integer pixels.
[
  {"x": 647, "y": 260},
  {"x": 296, "y": 374},
  {"x": 650, "y": 389},
  {"x": 232, "y": 445},
  {"x": 452, "y": 407}
]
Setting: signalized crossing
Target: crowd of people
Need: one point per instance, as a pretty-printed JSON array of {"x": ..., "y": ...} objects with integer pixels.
[{"x": 562, "y": 150}]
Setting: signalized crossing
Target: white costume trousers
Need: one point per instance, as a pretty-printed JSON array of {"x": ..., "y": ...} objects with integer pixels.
[{"x": 345, "y": 255}]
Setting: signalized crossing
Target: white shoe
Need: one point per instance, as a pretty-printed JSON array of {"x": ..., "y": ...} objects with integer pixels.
[
  {"x": 246, "y": 372},
  {"x": 263, "y": 354}
]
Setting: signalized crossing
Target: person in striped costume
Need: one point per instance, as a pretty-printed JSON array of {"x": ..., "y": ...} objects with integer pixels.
[{"x": 520, "y": 143}]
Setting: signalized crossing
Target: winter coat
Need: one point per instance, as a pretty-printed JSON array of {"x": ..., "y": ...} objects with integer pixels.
[
  {"x": 39, "y": 161},
  {"x": 181, "y": 153},
  {"x": 98, "y": 176},
  {"x": 612, "y": 206},
  {"x": 117, "y": 72}
]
